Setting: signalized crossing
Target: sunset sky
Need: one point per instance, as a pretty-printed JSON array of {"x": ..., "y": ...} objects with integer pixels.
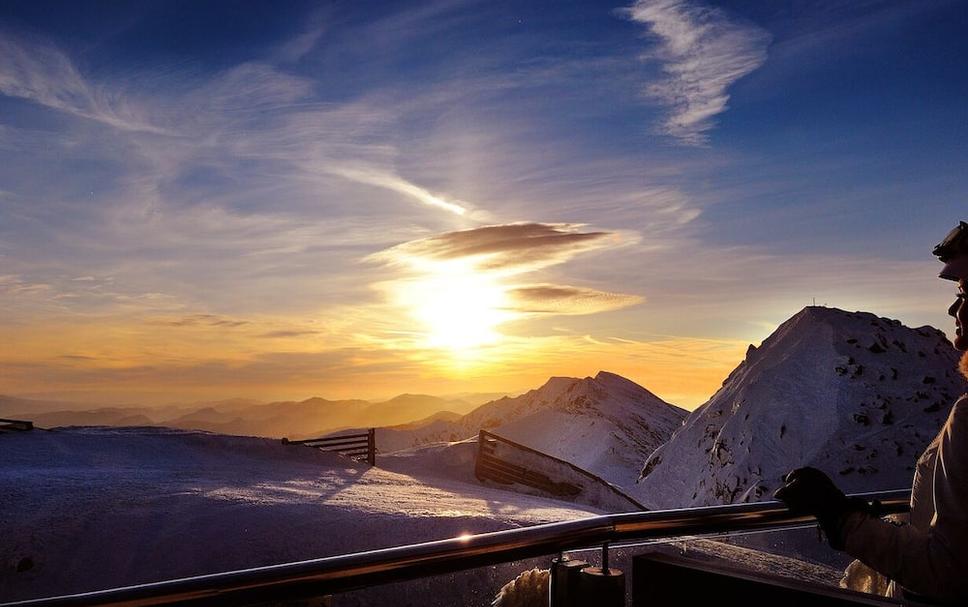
[{"x": 358, "y": 199}]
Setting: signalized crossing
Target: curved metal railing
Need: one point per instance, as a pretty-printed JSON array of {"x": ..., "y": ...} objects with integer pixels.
[{"x": 316, "y": 577}]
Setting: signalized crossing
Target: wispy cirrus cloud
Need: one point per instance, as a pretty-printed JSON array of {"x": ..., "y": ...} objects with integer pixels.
[
  {"x": 702, "y": 52},
  {"x": 38, "y": 71},
  {"x": 14, "y": 284},
  {"x": 253, "y": 112}
]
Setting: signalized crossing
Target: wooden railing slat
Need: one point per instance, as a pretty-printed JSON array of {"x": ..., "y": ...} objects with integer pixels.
[{"x": 348, "y": 445}]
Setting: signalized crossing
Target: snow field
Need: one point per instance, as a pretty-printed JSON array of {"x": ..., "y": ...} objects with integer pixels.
[{"x": 103, "y": 507}]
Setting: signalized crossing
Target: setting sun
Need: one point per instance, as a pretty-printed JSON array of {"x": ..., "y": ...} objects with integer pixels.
[{"x": 457, "y": 307}]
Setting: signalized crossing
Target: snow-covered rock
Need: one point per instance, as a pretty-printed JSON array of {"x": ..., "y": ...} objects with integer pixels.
[
  {"x": 850, "y": 393},
  {"x": 604, "y": 424}
]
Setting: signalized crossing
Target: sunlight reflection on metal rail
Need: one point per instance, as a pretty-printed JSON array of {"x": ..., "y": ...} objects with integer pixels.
[{"x": 313, "y": 578}]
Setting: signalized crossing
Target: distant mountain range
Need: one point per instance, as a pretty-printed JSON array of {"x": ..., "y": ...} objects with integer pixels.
[
  {"x": 853, "y": 394},
  {"x": 295, "y": 419}
]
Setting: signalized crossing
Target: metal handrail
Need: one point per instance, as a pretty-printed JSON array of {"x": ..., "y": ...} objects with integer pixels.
[{"x": 316, "y": 577}]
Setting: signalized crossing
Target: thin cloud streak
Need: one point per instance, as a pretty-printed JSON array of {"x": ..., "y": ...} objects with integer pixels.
[
  {"x": 209, "y": 320},
  {"x": 397, "y": 184},
  {"x": 702, "y": 52},
  {"x": 284, "y": 333},
  {"x": 548, "y": 299}
]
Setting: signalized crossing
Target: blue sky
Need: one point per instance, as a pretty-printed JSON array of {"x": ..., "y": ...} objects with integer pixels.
[{"x": 204, "y": 199}]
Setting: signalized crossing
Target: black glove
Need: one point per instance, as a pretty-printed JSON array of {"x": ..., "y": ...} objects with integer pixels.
[{"x": 810, "y": 491}]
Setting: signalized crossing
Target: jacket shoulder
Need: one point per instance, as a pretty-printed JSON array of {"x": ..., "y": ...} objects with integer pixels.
[
  {"x": 960, "y": 407},
  {"x": 956, "y": 427}
]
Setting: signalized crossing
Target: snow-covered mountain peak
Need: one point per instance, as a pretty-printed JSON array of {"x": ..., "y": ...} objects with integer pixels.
[
  {"x": 854, "y": 394},
  {"x": 822, "y": 318},
  {"x": 552, "y": 389},
  {"x": 606, "y": 424},
  {"x": 620, "y": 385},
  {"x": 606, "y": 392}
]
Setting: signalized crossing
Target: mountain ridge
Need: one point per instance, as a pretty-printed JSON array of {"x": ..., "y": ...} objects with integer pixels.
[
  {"x": 305, "y": 418},
  {"x": 601, "y": 424}
]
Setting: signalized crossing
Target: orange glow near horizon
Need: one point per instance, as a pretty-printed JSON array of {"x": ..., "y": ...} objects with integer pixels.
[{"x": 152, "y": 361}]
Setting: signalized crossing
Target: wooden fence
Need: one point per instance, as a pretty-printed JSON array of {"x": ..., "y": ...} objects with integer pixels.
[
  {"x": 490, "y": 467},
  {"x": 15, "y": 425},
  {"x": 356, "y": 446},
  {"x": 506, "y": 462}
]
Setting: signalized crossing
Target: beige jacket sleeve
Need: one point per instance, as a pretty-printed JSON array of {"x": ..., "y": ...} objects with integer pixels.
[{"x": 932, "y": 562}]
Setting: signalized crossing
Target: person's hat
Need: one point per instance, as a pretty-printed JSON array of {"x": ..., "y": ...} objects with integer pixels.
[{"x": 953, "y": 252}]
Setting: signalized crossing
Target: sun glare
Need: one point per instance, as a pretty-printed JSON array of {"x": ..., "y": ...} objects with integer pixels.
[{"x": 458, "y": 307}]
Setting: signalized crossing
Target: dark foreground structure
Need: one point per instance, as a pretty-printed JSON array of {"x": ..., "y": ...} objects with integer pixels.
[{"x": 657, "y": 579}]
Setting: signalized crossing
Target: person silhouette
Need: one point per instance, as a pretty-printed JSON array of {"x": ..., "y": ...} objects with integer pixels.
[{"x": 925, "y": 558}]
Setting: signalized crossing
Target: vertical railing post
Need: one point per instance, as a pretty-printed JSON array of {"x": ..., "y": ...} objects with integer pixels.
[
  {"x": 477, "y": 461},
  {"x": 563, "y": 581},
  {"x": 603, "y": 585},
  {"x": 371, "y": 445}
]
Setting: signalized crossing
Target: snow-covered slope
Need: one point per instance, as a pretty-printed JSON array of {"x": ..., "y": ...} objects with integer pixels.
[
  {"x": 89, "y": 508},
  {"x": 850, "y": 393},
  {"x": 605, "y": 424}
]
